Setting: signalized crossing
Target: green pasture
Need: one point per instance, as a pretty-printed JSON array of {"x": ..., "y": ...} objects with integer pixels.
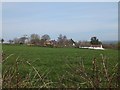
[{"x": 54, "y": 60}]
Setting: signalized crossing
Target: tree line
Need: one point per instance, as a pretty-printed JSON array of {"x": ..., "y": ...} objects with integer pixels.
[
  {"x": 62, "y": 41},
  {"x": 44, "y": 40}
]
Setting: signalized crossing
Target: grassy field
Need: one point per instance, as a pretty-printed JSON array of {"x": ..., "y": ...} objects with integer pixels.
[{"x": 53, "y": 60}]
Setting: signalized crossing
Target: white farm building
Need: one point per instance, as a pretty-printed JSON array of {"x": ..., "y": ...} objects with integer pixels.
[{"x": 97, "y": 47}]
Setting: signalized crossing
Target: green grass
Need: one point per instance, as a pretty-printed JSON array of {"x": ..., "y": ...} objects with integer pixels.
[{"x": 54, "y": 59}]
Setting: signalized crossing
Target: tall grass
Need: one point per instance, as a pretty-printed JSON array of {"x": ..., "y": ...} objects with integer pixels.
[
  {"x": 13, "y": 79},
  {"x": 98, "y": 75}
]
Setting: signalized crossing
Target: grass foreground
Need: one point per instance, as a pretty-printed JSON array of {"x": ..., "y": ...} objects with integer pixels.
[{"x": 61, "y": 65}]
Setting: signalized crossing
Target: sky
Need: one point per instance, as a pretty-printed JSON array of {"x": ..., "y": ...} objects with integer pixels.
[
  {"x": 78, "y": 20},
  {"x": 59, "y": 0}
]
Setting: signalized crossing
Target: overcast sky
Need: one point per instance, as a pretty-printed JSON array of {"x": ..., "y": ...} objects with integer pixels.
[{"x": 79, "y": 21}]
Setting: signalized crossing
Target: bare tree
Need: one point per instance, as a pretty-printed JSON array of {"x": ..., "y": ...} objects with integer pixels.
[
  {"x": 62, "y": 40},
  {"x": 45, "y": 37},
  {"x": 34, "y": 38},
  {"x": 11, "y": 41},
  {"x": 16, "y": 40}
]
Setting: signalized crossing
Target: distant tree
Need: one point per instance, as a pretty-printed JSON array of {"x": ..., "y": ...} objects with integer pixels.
[
  {"x": 34, "y": 38},
  {"x": 65, "y": 40},
  {"x": 45, "y": 37},
  {"x": 62, "y": 40},
  {"x": 11, "y": 41},
  {"x": 85, "y": 44},
  {"x": 64, "y": 37},
  {"x": 2, "y": 40},
  {"x": 79, "y": 42},
  {"x": 60, "y": 37},
  {"x": 42, "y": 42},
  {"x": 95, "y": 41},
  {"x": 16, "y": 40}
]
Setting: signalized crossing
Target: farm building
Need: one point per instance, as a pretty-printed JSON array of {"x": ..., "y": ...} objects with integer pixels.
[
  {"x": 100, "y": 47},
  {"x": 97, "y": 47}
]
